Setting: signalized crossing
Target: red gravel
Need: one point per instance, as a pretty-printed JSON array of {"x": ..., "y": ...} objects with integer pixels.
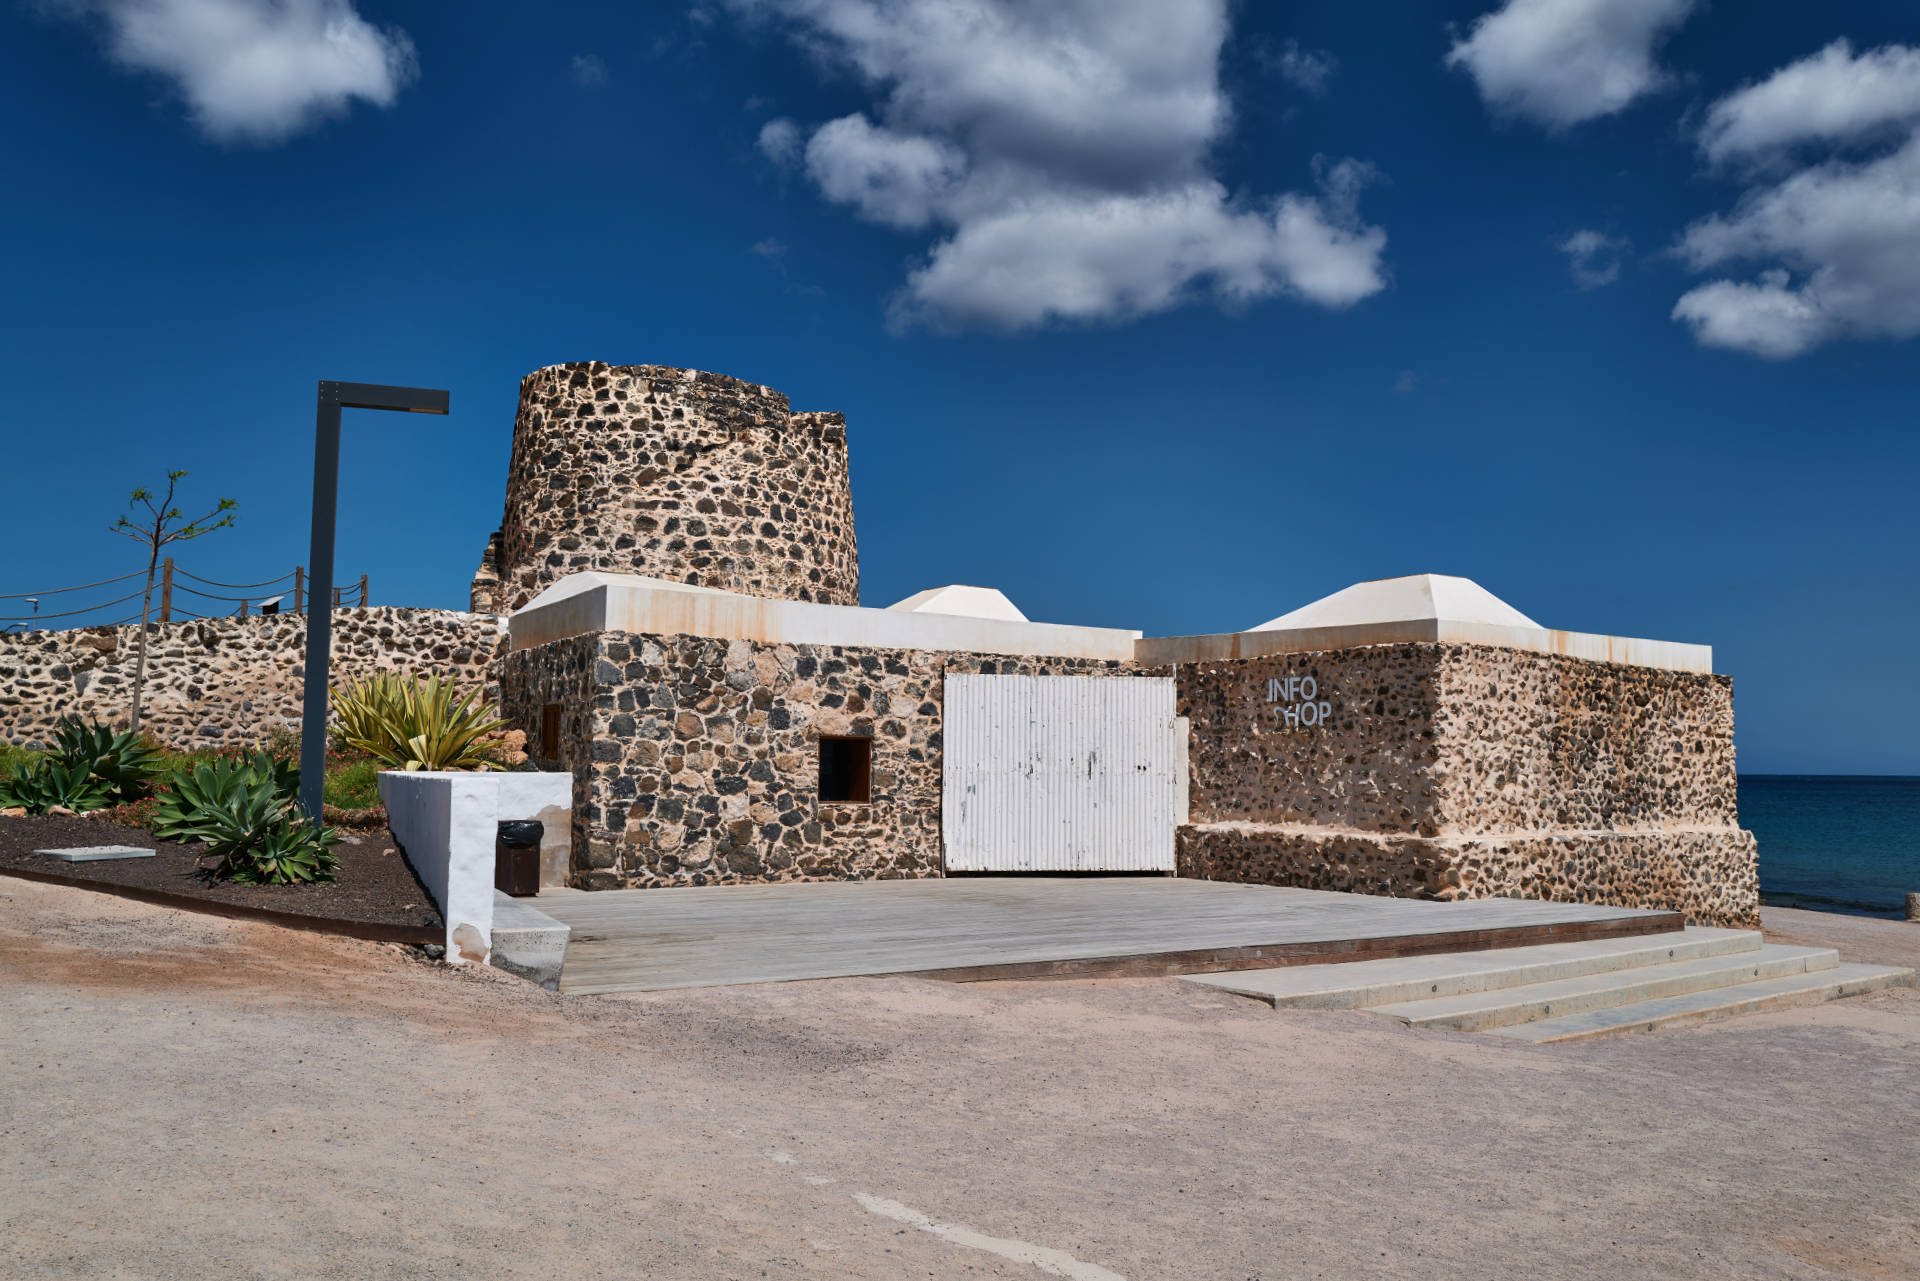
[{"x": 375, "y": 887}]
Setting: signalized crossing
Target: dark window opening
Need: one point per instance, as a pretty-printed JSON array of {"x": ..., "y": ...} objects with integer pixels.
[
  {"x": 550, "y": 731},
  {"x": 846, "y": 770}
]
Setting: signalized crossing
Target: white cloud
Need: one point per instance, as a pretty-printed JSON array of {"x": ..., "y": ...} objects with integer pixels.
[
  {"x": 1593, "y": 257},
  {"x": 589, "y": 70},
  {"x": 1308, "y": 70},
  {"x": 892, "y": 178},
  {"x": 1059, "y": 152},
  {"x": 1766, "y": 319},
  {"x": 1830, "y": 97},
  {"x": 256, "y": 70},
  {"x": 1837, "y": 242},
  {"x": 1848, "y": 232},
  {"x": 780, "y": 141},
  {"x": 1561, "y": 62},
  {"x": 1080, "y": 258}
]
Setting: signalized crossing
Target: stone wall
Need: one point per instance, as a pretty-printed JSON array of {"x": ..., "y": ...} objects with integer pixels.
[
  {"x": 1450, "y": 771},
  {"x": 696, "y": 760},
  {"x": 226, "y": 681},
  {"x": 675, "y": 474}
]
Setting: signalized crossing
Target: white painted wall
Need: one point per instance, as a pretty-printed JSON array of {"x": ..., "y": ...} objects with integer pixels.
[
  {"x": 1060, "y": 773},
  {"x": 446, "y": 822}
]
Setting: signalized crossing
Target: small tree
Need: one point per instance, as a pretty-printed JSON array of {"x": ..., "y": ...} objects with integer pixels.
[{"x": 159, "y": 526}]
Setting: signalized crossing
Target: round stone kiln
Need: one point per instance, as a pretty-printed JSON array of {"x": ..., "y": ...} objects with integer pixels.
[{"x": 675, "y": 474}]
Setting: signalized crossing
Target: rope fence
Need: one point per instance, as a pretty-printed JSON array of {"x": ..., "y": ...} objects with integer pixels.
[
  {"x": 256, "y": 598},
  {"x": 55, "y": 591}
]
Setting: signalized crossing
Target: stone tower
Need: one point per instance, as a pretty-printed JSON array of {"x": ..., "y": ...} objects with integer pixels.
[{"x": 671, "y": 473}]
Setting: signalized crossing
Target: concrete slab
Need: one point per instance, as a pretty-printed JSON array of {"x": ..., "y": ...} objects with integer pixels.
[
  {"x": 976, "y": 928},
  {"x": 1528, "y": 1003},
  {"x": 1712, "y": 1006},
  {"x": 1364, "y": 984},
  {"x": 527, "y": 942},
  {"x": 96, "y": 853}
]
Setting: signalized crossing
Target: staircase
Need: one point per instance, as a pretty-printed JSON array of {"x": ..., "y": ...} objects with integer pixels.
[{"x": 1573, "y": 991}]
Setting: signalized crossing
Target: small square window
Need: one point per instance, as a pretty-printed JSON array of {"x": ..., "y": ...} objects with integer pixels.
[
  {"x": 846, "y": 770},
  {"x": 550, "y": 731}
]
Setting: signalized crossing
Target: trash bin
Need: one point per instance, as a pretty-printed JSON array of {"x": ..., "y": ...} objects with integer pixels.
[{"x": 516, "y": 858}]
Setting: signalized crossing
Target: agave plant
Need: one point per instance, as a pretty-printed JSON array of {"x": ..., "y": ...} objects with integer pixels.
[
  {"x": 243, "y": 812},
  {"x": 42, "y": 783},
  {"x": 284, "y": 772},
  {"x": 125, "y": 764},
  {"x": 208, "y": 792},
  {"x": 293, "y": 853},
  {"x": 416, "y": 725}
]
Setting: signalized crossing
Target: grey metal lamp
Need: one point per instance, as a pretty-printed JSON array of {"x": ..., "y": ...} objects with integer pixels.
[{"x": 335, "y": 397}]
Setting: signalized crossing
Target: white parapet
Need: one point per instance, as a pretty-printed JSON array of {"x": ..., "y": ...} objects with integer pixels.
[
  {"x": 1440, "y": 608},
  {"x": 1670, "y": 656},
  {"x": 446, "y": 821},
  {"x": 595, "y": 601}
]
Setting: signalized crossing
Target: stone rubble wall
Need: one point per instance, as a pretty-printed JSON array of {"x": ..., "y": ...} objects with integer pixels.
[
  {"x": 1371, "y": 767},
  {"x": 1541, "y": 742},
  {"x": 226, "y": 681},
  {"x": 696, "y": 760},
  {"x": 1709, "y": 874},
  {"x": 1450, "y": 771},
  {"x": 676, "y": 474}
]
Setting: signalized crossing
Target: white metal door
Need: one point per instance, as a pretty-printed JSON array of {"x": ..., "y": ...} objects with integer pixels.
[{"x": 1061, "y": 773}]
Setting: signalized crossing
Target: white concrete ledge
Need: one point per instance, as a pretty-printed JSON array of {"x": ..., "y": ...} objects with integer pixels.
[
  {"x": 1226, "y": 646},
  {"x": 527, "y": 942},
  {"x": 593, "y": 601},
  {"x": 446, "y": 821}
]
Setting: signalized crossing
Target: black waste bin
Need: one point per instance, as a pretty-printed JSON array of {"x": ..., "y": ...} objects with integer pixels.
[{"x": 516, "y": 858}]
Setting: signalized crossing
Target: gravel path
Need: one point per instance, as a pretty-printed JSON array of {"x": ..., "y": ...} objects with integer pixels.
[{"x": 199, "y": 1098}]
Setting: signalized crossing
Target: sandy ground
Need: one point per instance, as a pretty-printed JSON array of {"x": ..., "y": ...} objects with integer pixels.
[{"x": 182, "y": 1096}]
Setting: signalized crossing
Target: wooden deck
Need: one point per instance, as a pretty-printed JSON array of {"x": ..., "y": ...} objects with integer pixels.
[{"x": 968, "y": 929}]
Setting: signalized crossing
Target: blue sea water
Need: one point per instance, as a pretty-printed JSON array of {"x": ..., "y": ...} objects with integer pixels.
[{"x": 1835, "y": 843}]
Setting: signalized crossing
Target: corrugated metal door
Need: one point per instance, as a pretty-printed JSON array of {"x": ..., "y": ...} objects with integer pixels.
[{"x": 1061, "y": 773}]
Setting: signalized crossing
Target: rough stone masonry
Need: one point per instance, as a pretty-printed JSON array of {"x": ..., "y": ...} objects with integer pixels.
[
  {"x": 671, "y": 473},
  {"x": 226, "y": 682},
  {"x": 695, "y": 759},
  {"x": 1465, "y": 771}
]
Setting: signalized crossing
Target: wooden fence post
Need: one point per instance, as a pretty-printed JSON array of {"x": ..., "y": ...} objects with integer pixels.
[
  {"x": 166, "y": 590},
  {"x": 299, "y": 582},
  {"x": 363, "y": 590}
]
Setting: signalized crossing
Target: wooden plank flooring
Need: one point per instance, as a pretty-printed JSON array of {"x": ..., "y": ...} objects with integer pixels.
[{"x": 971, "y": 928}]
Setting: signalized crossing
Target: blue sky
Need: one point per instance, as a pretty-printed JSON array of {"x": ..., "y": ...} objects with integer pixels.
[{"x": 1161, "y": 316}]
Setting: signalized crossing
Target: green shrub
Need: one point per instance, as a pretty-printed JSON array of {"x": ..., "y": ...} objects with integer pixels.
[
  {"x": 125, "y": 764},
  {"x": 354, "y": 785},
  {"x": 245, "y": 812},
  {"x": 416, "y": 724},
  {"x": 282, "y": 743},
  {"x": 40, "y": 784},
  {"x": 12, "y": 758}
]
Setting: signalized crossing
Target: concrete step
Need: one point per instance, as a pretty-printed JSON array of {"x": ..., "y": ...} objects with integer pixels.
[
  {"x": 1526, "y": 1003},
  {"x": 1712, "y": 1005},
  {"x": 528, "y": 942},
  {"x": 1360, "y": 984}
]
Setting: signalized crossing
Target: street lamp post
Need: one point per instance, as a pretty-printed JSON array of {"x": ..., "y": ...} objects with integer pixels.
[{"x": 335, "y": 397}]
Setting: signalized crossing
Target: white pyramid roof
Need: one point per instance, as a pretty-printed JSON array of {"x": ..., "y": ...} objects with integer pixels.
[
  {"x": 1442, "y": 597},
  {"x": 963, "y": 601}
]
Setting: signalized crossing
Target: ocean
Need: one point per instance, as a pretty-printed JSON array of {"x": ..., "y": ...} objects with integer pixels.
[{"x": 1835, "y": 843}]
